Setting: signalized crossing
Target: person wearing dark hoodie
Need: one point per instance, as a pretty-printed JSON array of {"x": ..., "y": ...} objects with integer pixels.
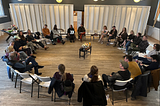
[
  {"x": 71, "y": 33},
  {"x": 123, "y": 74},
  {"x": 154, "y": 64}
]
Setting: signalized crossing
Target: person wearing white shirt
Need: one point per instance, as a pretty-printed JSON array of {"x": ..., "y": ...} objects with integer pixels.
[{"x": 103, "y": 34}]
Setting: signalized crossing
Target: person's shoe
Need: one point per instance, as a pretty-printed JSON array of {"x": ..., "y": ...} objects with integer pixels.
[
  {"x": 33, "y": 56},
  {"x": 53, "y": 44},
  {"x": 40, "y": 66},
  {"x": 124, "y": 52},
  {"x": 34, "y": 52},
  {"x": 107, "y": 44},
  {"x": 63, "y": 42},
  {"x": 71, "y": 41},
  {"x": 46, "y": 48},
  {"x": 39, "y": 73},
  {"x": 30, "y": 71},
  {"x": 133, "y": 98}
]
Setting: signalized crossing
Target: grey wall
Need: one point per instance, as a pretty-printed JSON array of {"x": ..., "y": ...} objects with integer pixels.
[
  {"x": 79, "y": 4},
  {"x": 6, "y": 12}
]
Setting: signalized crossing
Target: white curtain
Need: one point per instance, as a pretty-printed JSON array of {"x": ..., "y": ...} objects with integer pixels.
[
  {"x": 34, "y": 16},
  {"x": 132, "y": 17}
]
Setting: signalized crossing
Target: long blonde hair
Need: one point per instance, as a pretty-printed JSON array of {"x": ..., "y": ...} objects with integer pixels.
[{"x": 61, "y": 69}]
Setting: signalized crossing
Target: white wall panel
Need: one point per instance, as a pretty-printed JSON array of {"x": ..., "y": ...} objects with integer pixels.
[
  {"x": 34, "y": 16},
  {"x": 29, "y": 21},
  {"x": 101, "y": 15},
  {"x": 24, "y": 18},
  {"x": 132, "y": 17},
  {"x": 38, "y": 18}
]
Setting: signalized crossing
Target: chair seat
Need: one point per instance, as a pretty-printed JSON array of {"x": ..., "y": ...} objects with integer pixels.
[
  {"x": 45, "y": 84},
  {"x": 27, "y": 80},
  {"x": 119, "y": 90}
]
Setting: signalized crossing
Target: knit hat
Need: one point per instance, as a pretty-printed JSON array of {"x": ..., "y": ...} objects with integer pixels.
[
  {"x": 9, "y": 49},
  {"x": 16, "y": 37},
  {"x": 124, "y": 64}
]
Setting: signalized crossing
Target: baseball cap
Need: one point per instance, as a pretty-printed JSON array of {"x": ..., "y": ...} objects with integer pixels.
[
  {"x": 124, "y": 64},
  {"x": 16, "y": 37}
]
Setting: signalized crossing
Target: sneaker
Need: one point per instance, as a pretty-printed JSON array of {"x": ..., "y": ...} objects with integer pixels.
[
  {"x": 107, "y": 44},
  {"x": 53, "y": 44},
  {"x": 63, "y": 42},
  {"x": 119, "y": 48},
  {"x": 124, "y": 52},
  {"x": 40, "y": 66}
]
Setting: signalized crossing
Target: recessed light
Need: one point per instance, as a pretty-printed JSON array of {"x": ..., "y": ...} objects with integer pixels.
[
  {"x": 95, "y": 0},
  {"x": 19, "y": 0}
]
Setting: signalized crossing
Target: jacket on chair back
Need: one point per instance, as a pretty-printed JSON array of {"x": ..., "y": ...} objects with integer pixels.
[{"x": 92, "y": 94}]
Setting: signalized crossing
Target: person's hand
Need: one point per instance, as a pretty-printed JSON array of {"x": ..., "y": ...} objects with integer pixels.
[
  {"x": 136, "y": 45},
  {"x": 145, "y": 56},
  {"x": 20, "y": 48},
  {"x": 27, "y": 41},
  {"x": 18, "y": 54},
  {"x": 131, "y": 40},
  {"x": 110, "y": 75},
  {"x": 110, "y": 34}
]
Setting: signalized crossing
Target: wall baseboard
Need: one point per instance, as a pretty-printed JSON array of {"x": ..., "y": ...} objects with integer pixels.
[
  {"x": 5, "y": 26},
  {"x": 153, "y": 32}
]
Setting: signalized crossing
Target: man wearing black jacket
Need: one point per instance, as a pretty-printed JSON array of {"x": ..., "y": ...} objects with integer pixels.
[
  {"x": 112, "y": 34},
  {"x": 71, "y": 33},
  {"x": 123, "y": 74},
  {"x": 140, "y": 47}
]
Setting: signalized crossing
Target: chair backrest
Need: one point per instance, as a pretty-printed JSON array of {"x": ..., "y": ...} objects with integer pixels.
[
  {"x": 122, "y": 83},
  {"x": 43, "y": 79}
]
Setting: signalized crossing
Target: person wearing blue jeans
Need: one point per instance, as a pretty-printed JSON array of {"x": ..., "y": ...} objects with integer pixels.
[{"x": 127, "y": 45}]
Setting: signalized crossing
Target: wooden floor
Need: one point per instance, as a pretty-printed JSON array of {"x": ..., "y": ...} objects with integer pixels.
[{"x": 106, "y": 58}]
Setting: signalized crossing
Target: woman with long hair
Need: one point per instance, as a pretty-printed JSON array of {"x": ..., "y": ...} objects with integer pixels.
[
  {"x": 24, "y": 42},
  {"x": 56, "y": 34},
  {"x": 103, "y": 34},
  {"x": 92, "y": 76},
  {"x": 122, "y": 36},
  {"x": 31, "y": 39}
]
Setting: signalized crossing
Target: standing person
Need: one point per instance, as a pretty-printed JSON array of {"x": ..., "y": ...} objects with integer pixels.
[
  {"x": 123, "y": 74},
  {"x": 112, "y": 34},
  {"x": 30, "y": 38},
  {"x": 24, "y": 42},
  {"x": 122, "y": 36},
  {"x": 71, "y": 33},
  {"x": 56, "y": 34},
  {"x": 103, "y": 34},
  {"x": 47, "y": 34},
  {"x": 81, "y": 32},
  {"x": 92, "y": 76}
]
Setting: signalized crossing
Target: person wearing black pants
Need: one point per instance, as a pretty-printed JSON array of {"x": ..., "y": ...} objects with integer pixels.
[
  {"x": 30, "y": 38},
  {"x": 23, "y": 66},
  {"x": 71, "y": 33}
]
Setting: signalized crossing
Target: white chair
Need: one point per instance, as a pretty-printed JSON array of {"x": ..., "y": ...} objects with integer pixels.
[
  {"x": 44, "y": 82},
  {"x": 123, "y": 87},
  {"x": 88, "y": 33},
  {"x": 98, "y": 34},
  {"x": 28, "y": 79}
]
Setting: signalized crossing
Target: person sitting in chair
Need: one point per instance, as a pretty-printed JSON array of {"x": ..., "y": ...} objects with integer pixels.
[
  {"x": 122, "y": 36},
  {"x": 30, "y": 38},
  {"x": 93, "y": 75},
  {"x": 56, "y": 34},
  {"x": 103, "y": 34},
  {"x": 59, "y": 80},
  {"x": 140, "y": 47},
  {"x": 81, "y": 32},
  {"x": 123, "y": 74},
  {"x": 46, "y": 34},
  {"x": 154, "y": 64},
  {"x": 71, "y": 33},
  {"x": 24, "y": 65},
  {"x": 133, "y": 66},
  {"x": 112, "y": 34}
]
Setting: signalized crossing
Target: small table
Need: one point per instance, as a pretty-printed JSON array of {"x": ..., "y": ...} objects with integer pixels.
[{"x": 85, "y": 51}]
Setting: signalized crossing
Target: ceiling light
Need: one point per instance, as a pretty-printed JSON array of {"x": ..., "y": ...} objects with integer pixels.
[
  {"x": 95, "y": 0},
  {"x": 19, "y": 0},
  {"x": 136, "y": 1},
  {"x": 59, "y": 1}
]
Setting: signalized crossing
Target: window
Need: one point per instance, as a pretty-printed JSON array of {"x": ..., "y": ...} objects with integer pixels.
[{"x": 1, "y": 9}]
